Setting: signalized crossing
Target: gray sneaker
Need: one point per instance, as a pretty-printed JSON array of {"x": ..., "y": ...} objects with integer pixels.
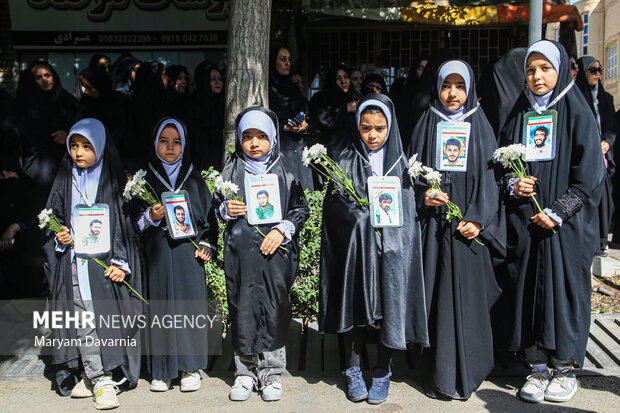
[
  {"x": 562, "y": 387},
  {"x": 83, "y": 389},
  {"x": 534, "y": 388},
  {"x": 105, "y": 394},
  {"x": 242, "y": 389}
]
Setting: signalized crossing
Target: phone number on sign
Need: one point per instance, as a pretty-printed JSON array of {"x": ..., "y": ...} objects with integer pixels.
[
  {"x": 190, "y": 38},
  {"x": 125, "y": 38}
]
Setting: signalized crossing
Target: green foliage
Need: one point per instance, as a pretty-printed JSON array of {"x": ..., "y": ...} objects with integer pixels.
[
  {"x": 305, "y": 291},
  {"x": 216, "y": 278}
]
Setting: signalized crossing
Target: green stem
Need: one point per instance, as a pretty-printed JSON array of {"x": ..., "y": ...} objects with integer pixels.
[
  {"x": 98, "y": 261},
  {"x": 195, "y": 245}
]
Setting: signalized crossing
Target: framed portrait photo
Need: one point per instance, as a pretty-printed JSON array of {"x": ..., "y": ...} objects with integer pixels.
[
  {"x": 91, "y": 229},
  {"x": 539, "y": 135},
  {"x": 452, "y": 145},
  {"x": 178, "y": 214},
  {"x": 386, "y": 204},
  {"x": 263, "y": 199}
]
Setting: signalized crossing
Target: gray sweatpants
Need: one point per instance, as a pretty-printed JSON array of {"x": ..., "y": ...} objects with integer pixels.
[
  {"x": 91, "y": 356},
  {"x": 264, "y": 368}
]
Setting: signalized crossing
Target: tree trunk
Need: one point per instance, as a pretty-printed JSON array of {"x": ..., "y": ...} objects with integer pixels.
[{"x": 247, "y": 68}]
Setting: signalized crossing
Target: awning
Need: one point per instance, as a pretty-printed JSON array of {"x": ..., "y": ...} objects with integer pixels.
[{"x": 442, "y": 13}]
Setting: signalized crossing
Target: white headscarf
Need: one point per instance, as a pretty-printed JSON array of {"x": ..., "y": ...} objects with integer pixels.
[
  {"x": 87, "y": 179},
  {"x": 551, "y": 52},
  {"x": 172, "y": 168},
  {"x": 256, "y": 119},
  {"x": 377, "y": 156},
  {"x": 453, "y": 67}
]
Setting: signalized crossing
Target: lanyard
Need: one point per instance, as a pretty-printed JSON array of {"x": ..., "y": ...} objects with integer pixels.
[
  {"x": 459, "y": 119},
  {"x": 389, "y": 170},
  {"x": 537, "y": 108},
  {"x": 84, "y": 197},
  {"x": 166, "y": 184}
]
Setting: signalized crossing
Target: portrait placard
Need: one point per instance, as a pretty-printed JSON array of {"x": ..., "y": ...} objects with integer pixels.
[
  {"x": 452, "y": 145},
  {"x": 263, "y": 199},
  {"x": 386, "y": 205},
  {"x": 91, "y": 229},
  {"x": 178, "y": 213},
  {"x": 539, "y": 135}
]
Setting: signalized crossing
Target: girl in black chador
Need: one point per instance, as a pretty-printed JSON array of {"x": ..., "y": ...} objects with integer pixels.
[
  {"x": 372, "y": 276},
  {"x": 91, "y": 179},
  {"x": 175, "y": 267},
  {"x": 458, "y": 274},
  {"x": 546, "y": 299},
  {"x": 260, "y": 269}
]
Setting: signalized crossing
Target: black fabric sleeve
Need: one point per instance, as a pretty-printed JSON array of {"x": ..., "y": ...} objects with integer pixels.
[
  {"x": 569, "y": 203},
  {"x": 297, "y": 210}
]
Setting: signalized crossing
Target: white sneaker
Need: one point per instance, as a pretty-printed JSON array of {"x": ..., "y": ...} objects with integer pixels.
[
  {"x": 272, "y": 392},
  {"x": 160, "y": 385},
  {"x": 190, "y": 380},
  {"x": 562, "y": 387},
  {"x": 534, "y": 388},
  {"x": 105, "y": 394},
  {"x": 83, "y": 389},
  {"x": 242, "y": 389}
]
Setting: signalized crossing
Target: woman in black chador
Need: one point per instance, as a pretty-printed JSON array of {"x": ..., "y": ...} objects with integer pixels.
[
  {"x": 44, "y": 113},
  {"x": 175, "y": 268},
  {"x": 100, "y": 101},
  {"x": 372, "y": 276},
  {"x": 458, "y": 274},
  {"x": 602, "y": 105},
  {"x": 286, "y": 101},
  {"x": 124, "y": 74},
  {"x": 332, "y": 110},
  {"x": 176, "y": 81},
  {"x": 206, "y": 112},
  {"x": 547, "y": 292}
]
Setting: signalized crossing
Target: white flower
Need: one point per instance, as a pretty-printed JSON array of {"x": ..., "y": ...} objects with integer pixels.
[
  {"x": 213, "y": 175},
  {"x": 313, "y": 154},
  {"x": 433, "y": 178},
  {"x": 426, "y": 170},
  {"x": 415, "y": 167},
  {"x": 227, "y": 188},
  {"x": 44, "y": 218},
  {"x": 508, "y": 154},
  {"x": 433, "y": 193}
]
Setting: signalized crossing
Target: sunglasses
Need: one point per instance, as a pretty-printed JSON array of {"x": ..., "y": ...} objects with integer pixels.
[
  {"x": 595, "y": 70},
  {"x": 574, "y": 66}
]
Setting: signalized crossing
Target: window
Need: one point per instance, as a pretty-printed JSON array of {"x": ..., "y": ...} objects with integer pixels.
[
  {"x": 584, "y": 34},
  {"x": 612, "y": 61}
]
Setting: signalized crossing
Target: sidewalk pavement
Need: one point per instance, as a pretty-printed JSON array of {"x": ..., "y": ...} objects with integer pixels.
[{"x": 309, "y": 394}]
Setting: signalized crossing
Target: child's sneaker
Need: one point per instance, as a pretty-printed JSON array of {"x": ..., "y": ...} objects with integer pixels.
[
  {"x": 190, "y": 380},
  {"x": 534, "y": 388},
  {"x": 562, "y": 387},
  {"x": 83, "y": 389},
  {"x": 160, "y": 385},
  {"x": 272, "y": 392},
  {"x": 380, "y": 386},
  {"x": 105, "y": 394},
  {"x": 357, "y": 390},
  {"x": 242, "y": 389}
]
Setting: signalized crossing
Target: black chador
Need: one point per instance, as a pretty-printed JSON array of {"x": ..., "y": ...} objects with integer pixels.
[
  {"x": 458, "y": 273},
  {"x": 73, "y": 186},
  {"x": 372, "y": 277},
  {"x": 173, "y": 273},
  {"x": 258, "y": 285},
  {"x": 546, "y": 301}
]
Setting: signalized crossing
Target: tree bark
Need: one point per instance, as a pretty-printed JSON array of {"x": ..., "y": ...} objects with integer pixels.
[{"x": 247, "y": 68}]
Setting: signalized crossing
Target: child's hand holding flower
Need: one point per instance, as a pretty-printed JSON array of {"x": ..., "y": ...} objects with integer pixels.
[
  {"x": 468, "y": 229},
  {"x": 157, "y": 212},
  {"x": 543, "y": 220},
  {"x": 204, "y": 253},
  {"x": 64, "y": 237},
  {"x": 236, "y": 208},
  {"x": 115, "y": 274},
  {"x": 525, "y": 186},
  {"x": 271, "y": 242},
  {"x": 435, "y": 197}
]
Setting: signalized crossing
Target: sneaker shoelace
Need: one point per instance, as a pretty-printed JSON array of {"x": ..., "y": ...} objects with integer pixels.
[
  {"x": 537, "y": 379},
  {"x": 561, "y": 377},
  {"x": 355, "y": 379}
]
